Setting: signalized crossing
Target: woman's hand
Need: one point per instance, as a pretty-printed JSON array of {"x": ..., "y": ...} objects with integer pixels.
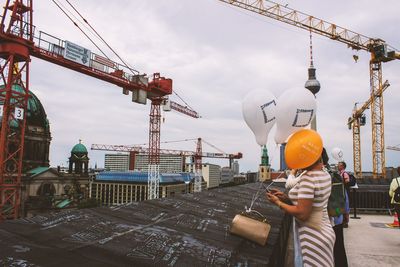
[
  {"x": 280, "y": 195},
  {"x": 272, "y": 198}
]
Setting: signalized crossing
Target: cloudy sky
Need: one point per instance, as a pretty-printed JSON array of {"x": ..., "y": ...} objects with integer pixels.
[{"x": 215, "y": 55}]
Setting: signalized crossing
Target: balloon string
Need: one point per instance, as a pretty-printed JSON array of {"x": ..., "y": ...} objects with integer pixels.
[
  {"x": 254, "y": 198},
  {"x": 256, "y": 195}
]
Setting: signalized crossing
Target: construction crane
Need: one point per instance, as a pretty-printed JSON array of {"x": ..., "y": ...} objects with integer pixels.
[
  {"x": 196, "y": 155},
  {"x": 379, "y": 50},
  {"x": 154, "y": 141},
  {"x": 18, "y": 43},
  {"x": 355, "y": 122},
  {"x": 395, "y": 148}
]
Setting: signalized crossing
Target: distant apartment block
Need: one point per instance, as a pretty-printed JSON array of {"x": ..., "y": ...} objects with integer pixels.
[
  {"x": 116, "y": 162},
  {"x": 235, "y": 167},
  {"x": 226, "y": 175},
  {"x": 211, "y": 173},
  {"x": 121, "y": 162},
  {"x": 168, "y": 163}
]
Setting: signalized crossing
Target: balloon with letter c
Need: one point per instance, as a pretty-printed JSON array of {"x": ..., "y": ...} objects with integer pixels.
[{"x": 258, "y": 109}]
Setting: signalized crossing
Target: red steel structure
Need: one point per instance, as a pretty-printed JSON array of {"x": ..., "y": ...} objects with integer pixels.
[
  {"x": 17, "y": 44},
  {"x": 198, "y": 168},
  {"x": 154, "y": 149},
  {"x": 185, "y": 153}
]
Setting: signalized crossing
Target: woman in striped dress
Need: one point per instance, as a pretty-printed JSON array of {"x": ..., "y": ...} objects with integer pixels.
[{"x": 309, "y": 198}]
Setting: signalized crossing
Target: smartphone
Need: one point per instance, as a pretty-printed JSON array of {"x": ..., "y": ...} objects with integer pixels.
[{"x": 267, "y": 188}]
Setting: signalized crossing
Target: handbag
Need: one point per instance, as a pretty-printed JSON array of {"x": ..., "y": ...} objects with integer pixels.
[{"x": 252, "y": 226}]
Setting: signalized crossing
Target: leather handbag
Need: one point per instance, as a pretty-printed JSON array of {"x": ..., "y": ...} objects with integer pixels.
[{"x": 252, "y": 226}]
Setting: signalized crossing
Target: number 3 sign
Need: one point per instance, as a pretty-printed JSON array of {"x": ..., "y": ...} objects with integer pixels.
[{"x": 19, "y": 113}]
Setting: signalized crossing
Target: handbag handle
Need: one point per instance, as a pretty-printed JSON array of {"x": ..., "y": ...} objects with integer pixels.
[{"x": 261, "y": 217}]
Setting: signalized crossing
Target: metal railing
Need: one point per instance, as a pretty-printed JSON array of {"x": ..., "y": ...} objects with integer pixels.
[{"x": 371, "y": 198}]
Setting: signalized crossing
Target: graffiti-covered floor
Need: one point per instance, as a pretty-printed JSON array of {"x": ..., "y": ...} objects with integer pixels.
[{"x": 187, "y": 230}]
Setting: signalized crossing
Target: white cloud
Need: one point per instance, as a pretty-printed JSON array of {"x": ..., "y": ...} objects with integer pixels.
[{"x": 215, "y": 54}]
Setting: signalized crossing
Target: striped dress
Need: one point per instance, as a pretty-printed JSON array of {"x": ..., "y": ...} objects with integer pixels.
[{"x": 316, "y": 244}]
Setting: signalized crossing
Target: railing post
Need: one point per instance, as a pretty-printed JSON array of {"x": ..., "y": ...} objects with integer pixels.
[{"x": 354, "y": 188}]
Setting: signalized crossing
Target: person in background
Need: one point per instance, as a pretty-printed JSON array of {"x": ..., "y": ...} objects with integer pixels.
[
  {"x": 310, "y": 198},
  {"x": 393, "y": 186},
  {"x": 339, "y": 251},
  {"x": 346, "y": 180}
]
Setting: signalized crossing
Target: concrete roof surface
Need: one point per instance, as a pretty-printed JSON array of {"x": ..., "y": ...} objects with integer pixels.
[
  {"x": 370, "y": 242},
  {"x": 187, "y": 230}
]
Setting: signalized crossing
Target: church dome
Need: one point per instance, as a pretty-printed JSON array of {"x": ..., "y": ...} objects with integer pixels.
[
  {"x": 37, "y": 131},
  {"x": 79, "y": 148},
  {"x": 36, "y": 115}
]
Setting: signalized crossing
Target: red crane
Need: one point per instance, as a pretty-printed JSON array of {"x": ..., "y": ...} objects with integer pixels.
[
  {"x": 17, "y": 44},
  {"x": 135, "y": 149},
  {"x": 196, "y": 155}
]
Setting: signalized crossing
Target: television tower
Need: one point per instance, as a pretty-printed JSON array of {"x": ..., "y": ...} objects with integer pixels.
[{"x": 312, "y": 83}]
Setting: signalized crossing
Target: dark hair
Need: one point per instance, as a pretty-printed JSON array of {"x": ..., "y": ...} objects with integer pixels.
[
  {"x": 398, "y": 170},
  {"x": 325, "y": 157},
  {"x": 344, "y": 164}
]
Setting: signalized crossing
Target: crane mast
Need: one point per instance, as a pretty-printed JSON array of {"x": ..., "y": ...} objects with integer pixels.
[
  {"x": 197, "y": 167},
  {"x": 153, "y": 171},
  {"x": 15, "y": 44},
  {"x": 355, "y": 123},
  {"x": 376, "y": 47}
]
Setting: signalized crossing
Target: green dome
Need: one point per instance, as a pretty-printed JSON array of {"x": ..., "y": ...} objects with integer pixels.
[
  {"x": 36, "y": 114},
  {"x": 79, "y": 148}
]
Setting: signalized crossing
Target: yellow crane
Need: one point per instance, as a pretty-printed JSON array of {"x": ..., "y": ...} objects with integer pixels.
[
  {"x": 356, "y": 121},
  {"x": 379, "y": 50},
  {"x": 395, "y": 148}
]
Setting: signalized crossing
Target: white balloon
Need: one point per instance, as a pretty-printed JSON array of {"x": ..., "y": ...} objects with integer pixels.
[
  {"x": 295, "y": 110},
  {"x": 337, "y": 153},
  {"x": 258, "y": 109}
]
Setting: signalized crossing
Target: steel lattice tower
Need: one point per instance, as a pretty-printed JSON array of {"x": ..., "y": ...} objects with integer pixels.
[{"x": 14, "y": 94}]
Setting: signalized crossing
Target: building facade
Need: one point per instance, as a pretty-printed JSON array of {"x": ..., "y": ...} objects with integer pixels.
[
  {"x": 116, "y": 162},
  {"x": 235, "y": 167},
  {"x": 116, "y": 188},
  {"x": 48, "y": 189},
  {"x": 168, "y": 163},
  {"x": 211, "y": 173},
  {"x": 226, "y": 175}
]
